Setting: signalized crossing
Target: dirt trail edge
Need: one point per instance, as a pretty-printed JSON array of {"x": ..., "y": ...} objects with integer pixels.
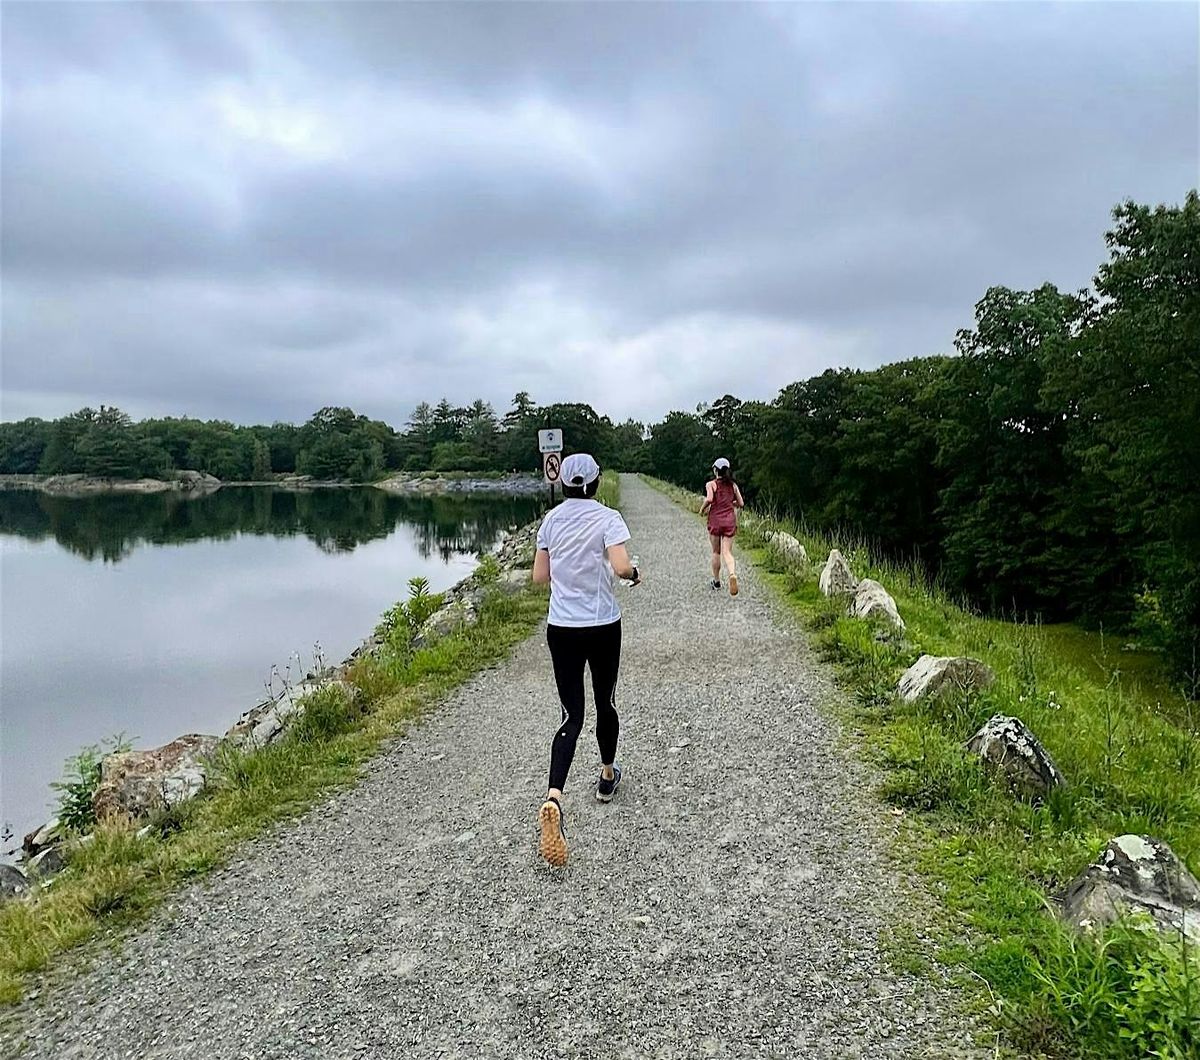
[{"x": 728, "y": 903}]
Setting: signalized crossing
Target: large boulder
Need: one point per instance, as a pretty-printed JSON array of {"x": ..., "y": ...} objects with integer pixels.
[
  {"x": 787, "y": 546},
  {"x": 931, "y": 675},
  {"x": 872, "y": 600},
  {"x": 13, "y": 882},
  {"x": 134, "y": 784},
  {"x": 1006, "y": 744},
  {"x": 836, "y": 576},
  {"x": 1135, "y": 874}
]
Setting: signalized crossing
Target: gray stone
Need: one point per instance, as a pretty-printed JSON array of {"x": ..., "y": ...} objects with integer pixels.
[
  {"x": 264, "y": 724},
  {"x": 43, "y": 836},
  {"x": 1135, "y": 875},
  {"x": 49, "y": 862},
  {"x": 836, "y": 576},
  {"x": 872, "y": 600},
  {"x": 1007, "y": 745},
  {"x": 13, "y": 882},
  {"x": 787, "y": 546},
  {"x": 931, "y": 675},
  {"x": 134, "y": 784}
]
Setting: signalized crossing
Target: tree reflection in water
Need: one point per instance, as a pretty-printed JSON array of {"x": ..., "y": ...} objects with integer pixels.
[{"x": 110, "y": 527}]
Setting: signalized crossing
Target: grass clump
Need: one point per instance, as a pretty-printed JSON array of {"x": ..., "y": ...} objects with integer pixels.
[
  {"x": 118, "y": 875},
  {"x": 609, "y": 492},
  {"x": 1128, "y": 745}
]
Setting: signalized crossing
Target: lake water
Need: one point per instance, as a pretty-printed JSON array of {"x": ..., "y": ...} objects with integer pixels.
[{"x": 155, "y": 616}]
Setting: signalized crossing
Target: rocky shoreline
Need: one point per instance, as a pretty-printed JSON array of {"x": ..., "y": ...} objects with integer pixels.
[
  {"x": 89, "y": 485},
  {"x": 417, "y": 485}
]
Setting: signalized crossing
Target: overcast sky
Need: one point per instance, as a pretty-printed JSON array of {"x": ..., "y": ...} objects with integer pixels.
[{"x": 249, "y": 211}]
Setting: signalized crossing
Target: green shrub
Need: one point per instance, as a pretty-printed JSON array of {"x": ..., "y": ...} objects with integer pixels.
[{"x": 80, "y": 781}]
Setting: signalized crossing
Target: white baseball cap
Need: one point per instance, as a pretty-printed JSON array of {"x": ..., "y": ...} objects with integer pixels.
[
  {"x": 720, "y": 462},
  {"x": 579, "y": 469}
]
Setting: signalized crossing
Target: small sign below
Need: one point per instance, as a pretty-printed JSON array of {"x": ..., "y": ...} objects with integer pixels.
[
  {"x": 552, "y": 467},
  {"x": 550, "y": 441}
]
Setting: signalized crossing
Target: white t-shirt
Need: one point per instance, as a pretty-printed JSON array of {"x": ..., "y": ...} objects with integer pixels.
[{"x": 576, "y": 533}]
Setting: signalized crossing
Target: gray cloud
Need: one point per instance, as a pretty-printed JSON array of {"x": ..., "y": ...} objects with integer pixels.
[{"x": 250, "y": 210}]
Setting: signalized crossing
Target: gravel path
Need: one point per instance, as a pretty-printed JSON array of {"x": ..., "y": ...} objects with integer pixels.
[{"x": 728, "y": 903}]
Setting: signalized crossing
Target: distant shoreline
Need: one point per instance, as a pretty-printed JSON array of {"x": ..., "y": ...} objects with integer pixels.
[{"x": 199, "y": 484}]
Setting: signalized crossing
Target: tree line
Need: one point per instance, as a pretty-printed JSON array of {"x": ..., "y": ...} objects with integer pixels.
[
  {"x": 1052, "y": 466},
  {"x": 335, "y": 443}
]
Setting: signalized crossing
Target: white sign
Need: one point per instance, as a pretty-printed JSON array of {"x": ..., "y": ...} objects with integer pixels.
[
  {"x": 552, "y": 467},
  {"x": 550, "y": 441}
]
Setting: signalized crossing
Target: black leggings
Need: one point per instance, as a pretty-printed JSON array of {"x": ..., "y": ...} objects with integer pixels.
[{"x": 570, "y": 648}]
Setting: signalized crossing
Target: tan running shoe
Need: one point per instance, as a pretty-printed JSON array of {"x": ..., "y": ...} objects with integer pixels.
[
  {"x": 733, "y": 588},
  {"x": 552, "y": 838}
]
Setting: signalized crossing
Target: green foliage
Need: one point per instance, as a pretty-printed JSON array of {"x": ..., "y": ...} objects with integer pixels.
[
  {"x": 401, "y": 622},
  {"x": 1129, "y": 996},
  {"x": 488, "y": 571},
  {"x": 1052, "y": 467},
  {"x": 609, "y": 492},
  {"x": 80, "y": 780}
]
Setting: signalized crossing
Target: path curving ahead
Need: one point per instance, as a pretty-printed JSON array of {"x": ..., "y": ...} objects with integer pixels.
[{"x": 727, "y": 904}]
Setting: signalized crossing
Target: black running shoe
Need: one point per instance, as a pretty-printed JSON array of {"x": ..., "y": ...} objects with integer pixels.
[
  {"x": 606, "y": 789},
  {"x": 715, "y": 585}
]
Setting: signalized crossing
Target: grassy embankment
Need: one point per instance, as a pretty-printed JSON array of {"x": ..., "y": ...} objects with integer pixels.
[
  {"x": 1129, "y": 747},
  {"x": 118, "y": 876}
]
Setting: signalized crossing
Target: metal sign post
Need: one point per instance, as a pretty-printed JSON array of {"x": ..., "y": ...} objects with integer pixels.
[{"x": 550, "y": 445}]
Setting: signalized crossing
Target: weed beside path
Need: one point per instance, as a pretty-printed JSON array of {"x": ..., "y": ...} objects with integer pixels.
[{"x": 1130, "y": 751}]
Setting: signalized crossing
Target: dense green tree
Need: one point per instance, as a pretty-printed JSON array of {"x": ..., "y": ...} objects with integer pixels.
[
  {"x": 22, "y": 445},
  {"x": 680, "y": 450}
]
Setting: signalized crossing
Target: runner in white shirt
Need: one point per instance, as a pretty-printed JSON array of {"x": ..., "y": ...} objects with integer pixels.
[{"x": 580, "y": 546}]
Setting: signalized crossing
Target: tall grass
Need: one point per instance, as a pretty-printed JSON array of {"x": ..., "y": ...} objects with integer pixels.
[
  {"x": 610, "y": 489},
  {"x": 1128, "y": 746},
  {"x": 119, "y": 875}
]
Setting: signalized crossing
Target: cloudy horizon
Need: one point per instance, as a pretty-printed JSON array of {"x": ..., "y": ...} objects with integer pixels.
[{"x": 249, "y": 211}]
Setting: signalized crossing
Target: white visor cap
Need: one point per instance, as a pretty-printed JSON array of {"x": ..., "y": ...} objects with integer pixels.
[
  {"x": 579, "y": 469},
  {"x": 720, "y": 462}
]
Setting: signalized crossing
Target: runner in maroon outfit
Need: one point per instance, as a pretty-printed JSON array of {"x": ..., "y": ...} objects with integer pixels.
[{"x": 721, "y": 501}]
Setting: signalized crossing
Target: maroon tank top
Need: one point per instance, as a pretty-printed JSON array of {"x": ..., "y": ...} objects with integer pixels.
[{"x": 721, "y": 516}]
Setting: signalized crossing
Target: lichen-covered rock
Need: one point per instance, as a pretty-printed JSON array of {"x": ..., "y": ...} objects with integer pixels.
[
  {"x": 932, "y": 675},
  {"x": 787, "y": 546},
  {"x": 872, "y": 600},
  {"x": 1006, "y": 744},
  {"x": 134, "y": 784},
  {"x": 1135, "y": 874},
  {"x": 448, "y": 619},
  {"x": 836, "y": 576},
  {"x": 13, "y": 882}
]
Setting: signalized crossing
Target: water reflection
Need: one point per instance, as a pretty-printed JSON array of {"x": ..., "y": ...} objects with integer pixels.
[{"x": 111, "y": 527}]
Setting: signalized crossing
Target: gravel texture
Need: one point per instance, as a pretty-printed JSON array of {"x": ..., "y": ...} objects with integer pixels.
[{"x": 728, "y": 903}]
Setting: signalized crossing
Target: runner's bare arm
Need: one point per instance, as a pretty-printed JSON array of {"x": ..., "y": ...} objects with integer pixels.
[
  {"x": 618, "y": 556},
  {"x": 541, "y": 567},
  {"x": 737, "y": 497},
  {"x": 708, "y": 498}
]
